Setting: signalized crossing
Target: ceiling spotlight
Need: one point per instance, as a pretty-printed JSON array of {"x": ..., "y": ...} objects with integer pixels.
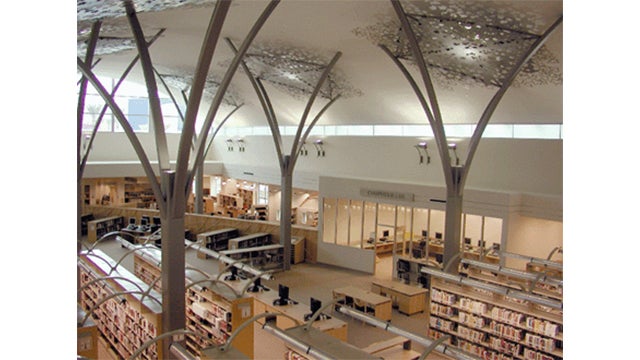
[
  {"x": 303, "y": 149},
  {"x": 240, "y": 142},
  {"x": 318, "y": 143},
  {"x": 423, "y": 145},
  {"x": 453, "y": 146}
]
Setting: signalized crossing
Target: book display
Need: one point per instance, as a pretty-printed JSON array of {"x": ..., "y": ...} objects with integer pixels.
[
  {"x": 97, "y": 228},
  {"x": 494, "y": 326},
  {"x": 217, "y": 240},
  {"x": 124, "y": 321},
  {"x": 212, "y": 311}
]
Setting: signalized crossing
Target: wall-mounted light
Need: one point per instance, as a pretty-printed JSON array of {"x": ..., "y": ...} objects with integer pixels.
[
  {"x": 318, "y": 145},
  {"x": 229, "y": 144},
  {"x": 303, "y": 149},
  {"x": 423, "y": 146},
  {"x": 240, "y": 143},
  {"x": 453, "y": 146}
]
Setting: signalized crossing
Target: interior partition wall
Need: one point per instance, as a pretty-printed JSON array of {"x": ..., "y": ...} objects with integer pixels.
[{"x": 379, "y": 218}]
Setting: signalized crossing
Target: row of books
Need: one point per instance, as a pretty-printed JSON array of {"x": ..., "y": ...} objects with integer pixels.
[
  {"x": 534, "y": 355},
  {"x": 539, "y": 342},
  {"x": 438, "y": 323},
  {"x": 470, "y": 334},
  {"x": 477, "y": 307},
  {"x": 482, "y": 351},
  {"x": 442, "y": 310},
  {"x": 443, "y": 297},
  {"x": 542, "y": 326},
  {"x": 471, "y": 320},
  {"x": 506, "y": 331},
  {"x": 504, "y": 346}
]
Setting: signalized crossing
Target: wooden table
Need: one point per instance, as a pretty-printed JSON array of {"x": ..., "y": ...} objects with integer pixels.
[
  {"x": 409, "y": 299},
  {"x": 264, "y": 303},
  {"x": 365, "y": 301}
]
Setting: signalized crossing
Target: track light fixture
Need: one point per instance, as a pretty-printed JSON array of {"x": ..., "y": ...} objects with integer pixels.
[
  {"x": 423, "y": 145},
  {"x": 240, "y": 143},
  {"x": 318, "y": 145},
  {"x": 453, "y": 146},
  {"x": 229, "y": 144},
  {"x": 303, "y": 149}
]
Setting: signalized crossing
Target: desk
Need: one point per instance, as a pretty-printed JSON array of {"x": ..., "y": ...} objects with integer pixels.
[
  {"x": 264, "y": 303},
  {"x": 365, "y": 301},
  {"x": 328, "y": 345},
  {"x": 409, "y": 299},
  {"x": 397, "y": 348}
]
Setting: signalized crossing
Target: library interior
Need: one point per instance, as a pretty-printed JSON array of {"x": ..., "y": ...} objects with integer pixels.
[{"x": 319, "y": 179}]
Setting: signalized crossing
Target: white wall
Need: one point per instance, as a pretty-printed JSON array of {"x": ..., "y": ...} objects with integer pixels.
[
  {"x": 532, "y": 237},
  {"x": 522, "y": 165}
]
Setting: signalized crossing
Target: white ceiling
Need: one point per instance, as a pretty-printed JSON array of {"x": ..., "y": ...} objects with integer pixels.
[{"x": 324, "y": 27}]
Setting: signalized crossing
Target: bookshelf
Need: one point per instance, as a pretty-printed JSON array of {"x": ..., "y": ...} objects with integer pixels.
[
  {"x": 250, "y": 240},
  {"x": 211, "y": 310},
  {"x": 216, "y": 240},
  {"x": 138, "y": 191},
  {"x": 266, "y": 257},
  {"x": 215, "y": 312},
  {"x": 99, "y": 227},
  {"x": 247, "y": 198},
  {"x": 261, "y": 212},
  {"x": 230, "y": 205},
  {"x": 126, "y": 322},
  {"x": 297, "y": 249},
  {"x": 87, "y": 343},
  {"x": 494, "y": 326}
]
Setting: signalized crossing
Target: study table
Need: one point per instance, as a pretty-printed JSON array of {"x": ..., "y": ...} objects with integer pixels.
[
  {"x": 409, "y": 299},
  {"x": 365, "y": 301}
]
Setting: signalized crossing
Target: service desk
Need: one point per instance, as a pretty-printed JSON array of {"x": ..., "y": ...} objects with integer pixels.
[
  {"x": 264, "y": 303},
  {"x": 365, "y": 301},
  {"x": 409, "y": 299}
]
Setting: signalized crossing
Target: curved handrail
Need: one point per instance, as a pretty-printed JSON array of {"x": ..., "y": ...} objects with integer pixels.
[
  {"x": 433, "y": 345},
  {"x": 248, "y": 322},
  {"x": 141, "y": 247},
  {"x": 108, "y": 278}
]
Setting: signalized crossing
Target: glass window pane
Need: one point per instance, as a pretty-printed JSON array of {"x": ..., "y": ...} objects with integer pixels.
[
  {"x": 387, "y": 130},
  {"x": 386, "y": 221},
  {"x": 536, "y": 131},
  {"x": 261, "y": 130},
  {"x": 329, "y": 220},
  {"x": 369, "y": 228},
  {"x": 458, "y": 130},
  {"x": 360, "y": 130},
  {"x": 355, "y": 230},
  {"x": 436, "y": 225},
  {"x": 492, "y": 231},
  {"x": 473, "y": 229},
  {"x": 342, "y": 222},
  {"x": 330, "y": 130},
  {"x": 417, "y": 130},
  {"x": 498, "y": 131}
]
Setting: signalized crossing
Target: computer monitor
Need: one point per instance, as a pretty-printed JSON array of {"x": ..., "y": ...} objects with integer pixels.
[
  {"x": 283, "y": 296},
  {"x": 467, "y": 241},
  {"x": 495, "y": 246},
  {"x": 385, "y": 233},
  {"x": 403, "y": 266},
  {"x": 257, "y": 286},
  {"x": 481, "y": 243},
  {"x": 234, "y": 274},
  {"x": 425, "y": 233},
  {"x": 156, "y": 220},
  {"x": 315, "y": 305},
  {"x": 439, "y": 236},
  {"x": 144, "y": 221},
  {"x": 132, "y": 221},
  {"x": 439, "y": 258}
]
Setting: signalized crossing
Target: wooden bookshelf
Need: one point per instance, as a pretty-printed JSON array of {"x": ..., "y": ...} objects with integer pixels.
[
  {"x": 215, "y": 312},
  {"x": 99, "y": 227},
  {"x": 138, "y": 191},
  {"x": 247, "y": 198},
  {"x": 211, "y": 310},
  {"x": 494, "y": 326},
  {"x": 87, "y": 343},
  {"x": 297, "y": 249},
  {"x": 125, "y": 325}
]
